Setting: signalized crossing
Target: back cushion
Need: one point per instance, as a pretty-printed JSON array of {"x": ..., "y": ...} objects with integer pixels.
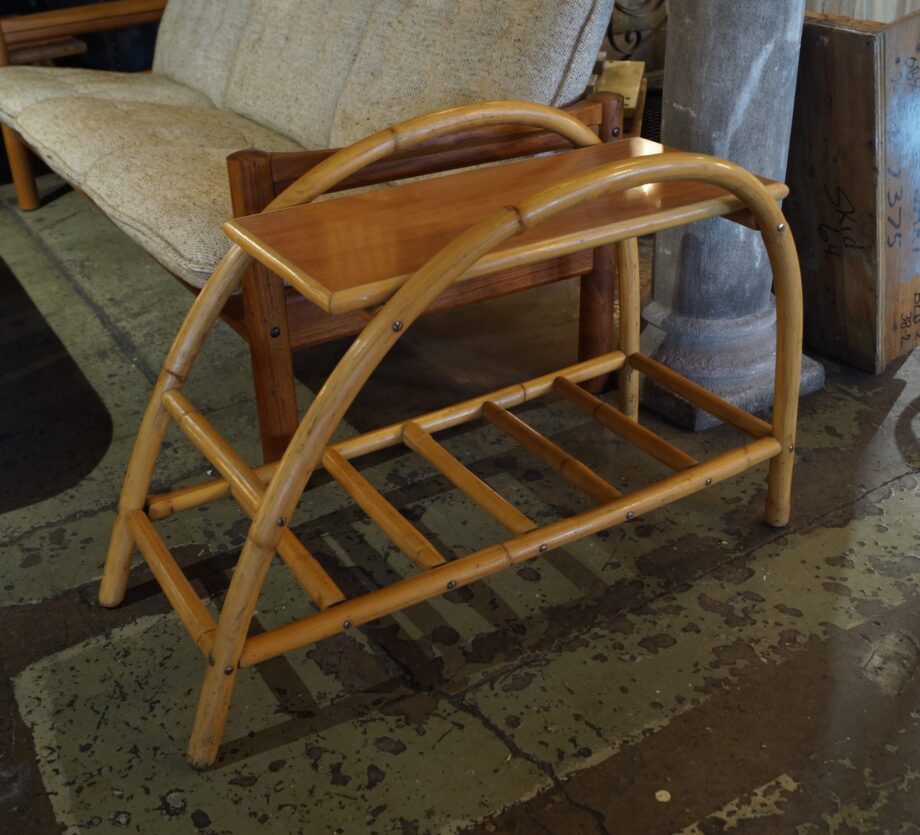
[
  {"x": 294, "y": 56},
  {"x": 198, "y": 41},
  {"x": 417, "y": 56}
]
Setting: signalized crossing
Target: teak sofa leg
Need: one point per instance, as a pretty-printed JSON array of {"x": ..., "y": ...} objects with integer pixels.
[
  {"x": 265, "y": 313},
  {"x": 268, "y": 334},
  {"x": 595, "y": 312},
  {"x": 21, "y": 168}
]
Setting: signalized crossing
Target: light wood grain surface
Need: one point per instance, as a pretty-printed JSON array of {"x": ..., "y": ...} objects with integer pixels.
[{"x": 355, "y": 251}]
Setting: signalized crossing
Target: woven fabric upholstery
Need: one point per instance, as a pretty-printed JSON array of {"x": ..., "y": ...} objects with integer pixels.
[
  {"x": 73, "y": 134},
  {"x": 422, "y": 55},
  {"x": 159, "y": 171},
  {"x": 179, "y": 226},
  {"x": 281, "y": 75},
  {"x": 197, "y": 43},
  {"x": 294, "y": 57},
  {"x": 327, "y": 73},
  {"x": 21, "y": 87}
]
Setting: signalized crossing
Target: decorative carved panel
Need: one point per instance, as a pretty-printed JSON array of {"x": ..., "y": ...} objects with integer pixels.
[{"x": 637, "y": 32}]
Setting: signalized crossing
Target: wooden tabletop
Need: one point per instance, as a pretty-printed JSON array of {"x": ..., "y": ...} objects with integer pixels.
[{"x": 354, "y": 251}]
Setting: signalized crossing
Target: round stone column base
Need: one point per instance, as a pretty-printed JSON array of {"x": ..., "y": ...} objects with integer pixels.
[{"x": 733, "y": 358}]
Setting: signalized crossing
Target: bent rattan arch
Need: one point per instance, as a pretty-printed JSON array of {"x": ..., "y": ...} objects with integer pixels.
[
  {"x": 229, "y": 272},
  {"x": 225, "y": 643}
]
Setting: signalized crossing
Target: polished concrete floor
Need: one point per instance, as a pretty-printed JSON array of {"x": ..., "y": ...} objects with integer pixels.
[{"x": 692, "y": 671}]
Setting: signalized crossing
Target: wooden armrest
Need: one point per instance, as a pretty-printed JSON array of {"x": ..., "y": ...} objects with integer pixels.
[
  {"x": 96, "y": 17},
  {"x": 602, "y": 112}
]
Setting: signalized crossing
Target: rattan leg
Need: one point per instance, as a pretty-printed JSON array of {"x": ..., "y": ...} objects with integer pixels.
[
  {"x": 202, "y": 315},
  {"x": 214, "y": 700},
  {"x": 21, "y": 169},
  {"x": 133, "y": 495},
  {"x": 628, "y": 386},
  {"x": 779, "y": 489}
]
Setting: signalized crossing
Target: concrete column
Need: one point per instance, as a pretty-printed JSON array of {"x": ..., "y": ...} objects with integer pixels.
[{"x": 730, "y": 76}]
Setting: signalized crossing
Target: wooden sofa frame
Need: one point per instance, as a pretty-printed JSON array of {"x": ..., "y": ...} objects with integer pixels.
[{"x": 275, "y": 320}]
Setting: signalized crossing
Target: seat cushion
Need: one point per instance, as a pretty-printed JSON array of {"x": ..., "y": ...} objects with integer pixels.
[
  {"x": 417, "y": 56},
  {"x": 21, "y": 87},
  {"x": 293, "y": 59},
  {"x": 73, "y": 134},
  {"x": 179, "y": 226},
  {"x": 197, "y": 43},
  {"x": 327, "y": 72},
  {"x": 158, "y": 171}
]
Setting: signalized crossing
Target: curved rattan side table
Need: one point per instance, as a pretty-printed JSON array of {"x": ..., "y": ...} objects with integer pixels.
[{"x": 592, "y": 197}]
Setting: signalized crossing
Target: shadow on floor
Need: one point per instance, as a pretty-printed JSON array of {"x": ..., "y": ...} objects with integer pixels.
[{"x": 54, "y": 429}]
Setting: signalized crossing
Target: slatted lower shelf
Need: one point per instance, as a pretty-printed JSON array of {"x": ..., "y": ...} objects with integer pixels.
[{"x": 437, "y": 575}]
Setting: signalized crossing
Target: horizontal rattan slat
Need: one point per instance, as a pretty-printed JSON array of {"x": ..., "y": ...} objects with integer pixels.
[
  {"x": 493, "y": 559},
  {"x": 195, "y": 617},
  {"x": 569, "y": 467},
  {"x": 165, "y": 504},
  {"x": 629, "y": 429},
  {"x": 248, "y": 491},
  {"x": 408, "y": 538},
  {"x": 420, "y": 441}
]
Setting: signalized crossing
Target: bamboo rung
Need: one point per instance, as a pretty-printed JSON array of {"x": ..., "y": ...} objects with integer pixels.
[
  {"x": 166, "y": 504},
  {"x": 568, "y": 467},
  {"x": 626, "y": 427},
  {"x": 391, "y": 521},
  {"x": 493, "y": 559},
  {"x": 698, "y": 396},
  {"x": 195, "y": 617},
  {"x": 248, "y": 490},
  {"x": 418, "y": 440}
]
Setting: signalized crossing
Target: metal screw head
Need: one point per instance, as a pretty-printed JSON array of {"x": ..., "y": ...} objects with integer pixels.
[
  {"x": 781, "y": 227},
  {"x": 615, "y": 133},
  {"x": 451, "y": 584},
  {"x": 228, "y": 671},
  {"x": 544, "y": 548},
  {"x": 347, "y": 624},
  {"x": 397, "y": 326},
  {"x": 708, "y": 481},
  {"x": 275, "y": 332},
  {"x": 629, "y": 514},
  {"x": 791, "y": 447},
  {"x": 281, "y": 522}
]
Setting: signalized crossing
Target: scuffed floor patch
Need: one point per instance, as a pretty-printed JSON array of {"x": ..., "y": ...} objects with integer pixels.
[{"x": 312, "y": 744}]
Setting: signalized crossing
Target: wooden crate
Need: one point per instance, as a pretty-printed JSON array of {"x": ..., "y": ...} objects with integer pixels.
[{"x": 854, "y": 172}]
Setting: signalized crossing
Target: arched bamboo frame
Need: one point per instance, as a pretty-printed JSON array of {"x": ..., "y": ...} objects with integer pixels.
[
  {"x": 229, "y": 273},
  {"x": 305, "y": 452}
]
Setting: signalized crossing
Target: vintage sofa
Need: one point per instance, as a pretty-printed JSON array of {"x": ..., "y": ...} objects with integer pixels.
[{"x": 287, "y": 77}]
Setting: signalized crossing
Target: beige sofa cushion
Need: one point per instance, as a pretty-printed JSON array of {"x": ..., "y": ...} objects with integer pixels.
[
  {"x": 72, "y": 134},
  {"x": 328, "y": 72},
  {"x": 422, "y": 55},
  {"x": 197, "y": 43},
  {"x": 158, "y": 171},
  {"x": 179, "y": 226},
  {"x": 21, "y": 87},
  {"x": 151, "y": 152},
  {"x": 293, "y": 59}
]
